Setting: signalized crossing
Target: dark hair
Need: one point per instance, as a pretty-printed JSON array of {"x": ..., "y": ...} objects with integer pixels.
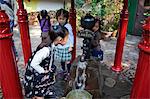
[
  {"x": 63, "y": 12},
  {"x": 98, "y": 20},
  {"x": 88, "y": 22},
  {"x": 56, "y": 31},
  {"x": 44, "y": 13}
]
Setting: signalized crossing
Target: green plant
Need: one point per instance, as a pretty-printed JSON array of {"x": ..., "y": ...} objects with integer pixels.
[
  {"x": 79, "y": 3},
  {"x": 110, "y": 13},
  {"x": 107, "y": 10}
]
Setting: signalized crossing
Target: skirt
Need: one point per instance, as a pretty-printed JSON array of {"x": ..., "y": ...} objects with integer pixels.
[
  {"x": 62, "y": 54},
  {"x": 36, "y": 84}
]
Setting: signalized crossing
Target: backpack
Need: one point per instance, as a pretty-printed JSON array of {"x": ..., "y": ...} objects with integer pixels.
[
  {"x": 98, "y": 53},
  {"x": 46, "y": 19}
]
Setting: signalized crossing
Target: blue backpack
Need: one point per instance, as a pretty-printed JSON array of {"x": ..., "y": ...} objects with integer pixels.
[{"x": 98, "y": 53}]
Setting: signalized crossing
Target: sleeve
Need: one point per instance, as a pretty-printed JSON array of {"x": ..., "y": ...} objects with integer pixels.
[
  {"x": 71, "y": 36},
  {"x": 95, "y": 41},
  {"x": 37, "y": 59}
]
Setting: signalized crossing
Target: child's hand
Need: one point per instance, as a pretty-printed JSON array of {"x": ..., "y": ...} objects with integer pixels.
[
  {"x": 63, "y": 42},
  {"x": 46, "y": 71},
  {"x": 70, "y": 49},
  {"x": 50, "y": 69}
]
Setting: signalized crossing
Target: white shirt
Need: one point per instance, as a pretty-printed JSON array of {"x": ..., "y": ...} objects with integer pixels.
[
  {"x": 38, "y": 57},
  {"x": 71, "y": 36}
]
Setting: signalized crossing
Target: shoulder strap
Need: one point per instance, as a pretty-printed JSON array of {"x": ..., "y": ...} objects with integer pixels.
[
  {"x": 43, "y": 25},
  {"x": 51, "y": 57}
]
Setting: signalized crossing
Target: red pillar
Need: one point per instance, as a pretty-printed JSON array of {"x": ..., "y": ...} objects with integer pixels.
[
  {"x": 122, "y": 35},
  {"x": 24, "y": 31},
  {"x": 72, "y": 20},
  {"x": 141, "y": 85},
  {"x": 9, "y": 79}
]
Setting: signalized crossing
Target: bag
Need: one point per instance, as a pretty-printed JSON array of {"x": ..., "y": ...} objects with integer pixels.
[
  {"x": 98, "y": 54},
  {"x": 42, "y": 25}
]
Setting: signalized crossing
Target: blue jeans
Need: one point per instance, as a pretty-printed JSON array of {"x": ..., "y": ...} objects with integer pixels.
[{"x": 13, "y": 45}]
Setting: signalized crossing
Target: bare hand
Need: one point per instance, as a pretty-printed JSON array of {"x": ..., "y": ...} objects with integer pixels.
[
  {"x": 70, "y": 49},
  {"x": 46, "y": 71},
  {"x": 50, "y": 69}
]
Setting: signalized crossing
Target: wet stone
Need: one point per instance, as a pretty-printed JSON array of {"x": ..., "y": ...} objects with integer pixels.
[
  {"x": 110, "y": 82},
  {"x": 125, "y": 97},
  {"x": 130, "y": 74},
  {"x": 121, "y": 88}
]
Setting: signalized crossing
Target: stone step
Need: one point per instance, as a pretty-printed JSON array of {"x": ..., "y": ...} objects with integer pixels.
[{"x": 0, "y": 93}]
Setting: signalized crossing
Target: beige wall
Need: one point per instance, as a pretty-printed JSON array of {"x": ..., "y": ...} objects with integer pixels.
[{"x": 38, "y": 5}]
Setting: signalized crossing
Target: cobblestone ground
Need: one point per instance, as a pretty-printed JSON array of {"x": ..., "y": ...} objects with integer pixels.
[{"x": 115, "y": 85}]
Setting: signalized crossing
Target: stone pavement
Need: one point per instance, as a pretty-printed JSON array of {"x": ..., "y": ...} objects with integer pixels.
[{"x": 116, "y": 85}]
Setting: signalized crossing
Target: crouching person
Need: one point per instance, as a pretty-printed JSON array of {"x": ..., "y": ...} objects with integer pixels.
[{"x": 39, "y": 75}]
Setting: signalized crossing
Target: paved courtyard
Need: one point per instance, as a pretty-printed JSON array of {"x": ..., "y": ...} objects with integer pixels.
[{"x": 116, "y": 85}]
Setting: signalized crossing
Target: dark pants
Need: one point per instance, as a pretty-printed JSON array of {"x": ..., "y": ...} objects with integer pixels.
[{"x": 64, "y": 67}]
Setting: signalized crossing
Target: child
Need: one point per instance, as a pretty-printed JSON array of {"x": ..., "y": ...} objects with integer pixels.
[
  {"x": 95, "y": 43},
  {"x": 44, "y": 21},
  {"x": 40, "y": 70},
  {"x": 63, "y": 53}
]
